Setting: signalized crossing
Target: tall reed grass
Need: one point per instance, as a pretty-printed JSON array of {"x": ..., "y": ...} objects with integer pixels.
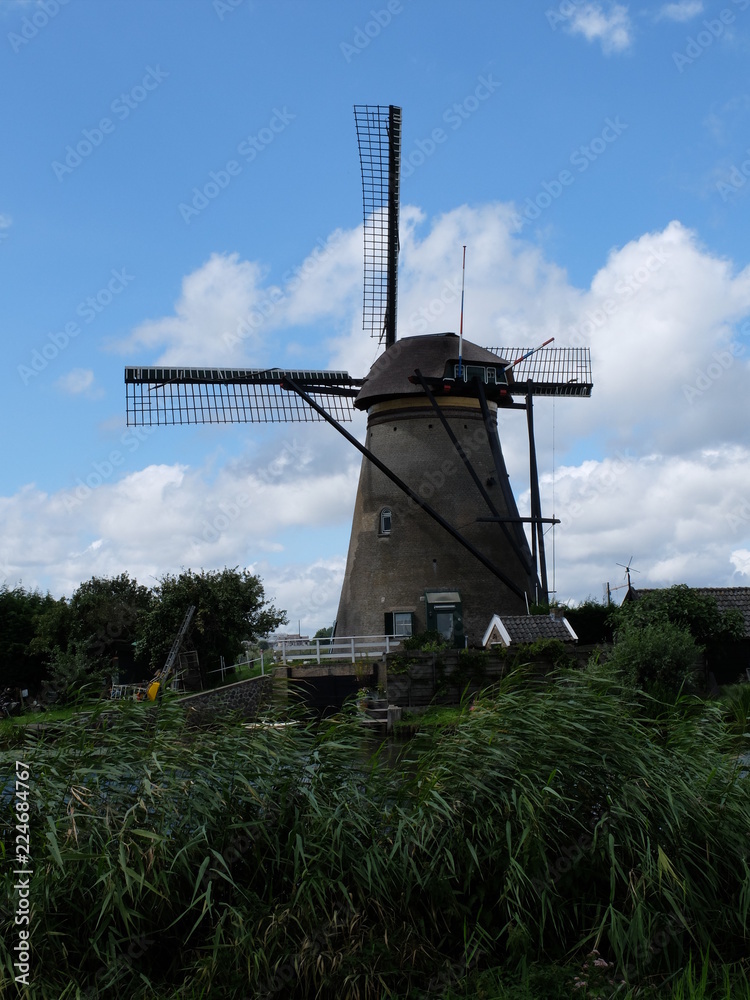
[{"x": 556, "y": 818}]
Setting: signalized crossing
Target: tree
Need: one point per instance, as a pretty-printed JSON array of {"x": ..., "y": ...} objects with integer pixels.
[
  {"x": 658, "y": 622},
  {"x": 21, "y": 665},
  {"x": 90, "y": 637},
  {"x": 105, "y": 615},
  {"x": 230, "y": 608},
  {"x": 687, "y": 608}
]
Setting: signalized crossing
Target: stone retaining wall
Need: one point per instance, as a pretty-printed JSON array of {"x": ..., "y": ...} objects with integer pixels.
[{"x": 247, "y": 698}]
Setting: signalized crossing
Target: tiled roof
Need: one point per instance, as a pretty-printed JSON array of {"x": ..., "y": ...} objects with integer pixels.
[
  {"x": 727, "y": 598},
  {"x": 529, "y": 628}
]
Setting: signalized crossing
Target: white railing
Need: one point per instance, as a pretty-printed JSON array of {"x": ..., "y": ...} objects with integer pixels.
[
  {"x": 350, "y": 647},
  {"x": 234, "y": 667}
]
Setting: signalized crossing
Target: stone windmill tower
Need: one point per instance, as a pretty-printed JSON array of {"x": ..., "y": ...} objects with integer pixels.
[{"x": 437, "y": 541}]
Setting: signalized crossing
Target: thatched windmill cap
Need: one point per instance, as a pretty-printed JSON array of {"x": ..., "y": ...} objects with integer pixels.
[{"x": 389, "y": 376}]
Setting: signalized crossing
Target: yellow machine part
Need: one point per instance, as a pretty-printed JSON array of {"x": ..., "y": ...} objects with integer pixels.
[{"x": 153, "y": 690}]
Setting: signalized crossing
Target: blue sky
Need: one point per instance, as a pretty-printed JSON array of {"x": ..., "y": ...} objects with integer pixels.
[{"x": 593, "y": 156}]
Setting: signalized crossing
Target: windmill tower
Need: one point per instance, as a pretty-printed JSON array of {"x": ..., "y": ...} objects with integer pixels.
[{"x": 437, "y": 541}]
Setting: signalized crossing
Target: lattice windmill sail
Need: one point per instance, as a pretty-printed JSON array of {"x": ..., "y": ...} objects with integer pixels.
[
  {"x": 379, "y": 140},
  {"x": 437, "y": 541}
]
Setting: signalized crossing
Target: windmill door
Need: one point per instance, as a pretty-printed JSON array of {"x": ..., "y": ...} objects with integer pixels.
[{"x": 444, "y": 613}]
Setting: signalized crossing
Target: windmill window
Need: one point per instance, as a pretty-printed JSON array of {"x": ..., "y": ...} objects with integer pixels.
[
  {"x": 402, "y": 622},
  {"x": 490, "y": 375},
  {"x": 399, "y": 623},
  {"x": 385, "y": 521}
]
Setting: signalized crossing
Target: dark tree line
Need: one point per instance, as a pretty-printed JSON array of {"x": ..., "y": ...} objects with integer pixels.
[{"x": 114, "y": 625}]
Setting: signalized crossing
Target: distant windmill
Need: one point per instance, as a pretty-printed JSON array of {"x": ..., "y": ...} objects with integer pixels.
[
  {"x": 437, "y": 541},
  {"x": 628, "y": 570}
]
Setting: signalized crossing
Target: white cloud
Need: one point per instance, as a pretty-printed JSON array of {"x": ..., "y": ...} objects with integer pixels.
[
  {"x": 77, "y": 381},
  {"x": 226, "y": 314},
  {"x": 675, "y": 515},
  {"x": 682, "y": 11},
  {"x": 741, "y": 562},
  {"x": 611, "y": 27},
  {"x": 214, "y": 298},
  {"x": 167, "y": 517},
  {"x": 654, "y": 464},
  {"x": 5, "y": 221}
]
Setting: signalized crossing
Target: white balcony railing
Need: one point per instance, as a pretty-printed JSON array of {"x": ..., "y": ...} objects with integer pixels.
[{"x": 352, "y": 648}]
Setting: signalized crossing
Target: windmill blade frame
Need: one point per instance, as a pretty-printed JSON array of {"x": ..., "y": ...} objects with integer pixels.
[
  {"x": 158, "y": 396},
  {"x": 549, "y": 371},
  {"x": 379, "y": 141}
]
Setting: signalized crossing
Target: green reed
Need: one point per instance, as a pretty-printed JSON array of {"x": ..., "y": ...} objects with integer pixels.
[{"x": 553, "y": 821}]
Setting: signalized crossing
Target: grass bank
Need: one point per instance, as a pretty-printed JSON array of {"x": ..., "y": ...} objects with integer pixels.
[{"x": 554, "y": 821}]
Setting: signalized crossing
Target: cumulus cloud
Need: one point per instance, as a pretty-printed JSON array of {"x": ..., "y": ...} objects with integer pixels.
[
  {"x": 214, "y": 299},
  {"x": 163, "y": 518},
  {"x": 79, "y": 381},
  {"x": 682, "y": 11},
  {"x": 226, "y": 311},
  {"x": 653, "y": 465},
  {"x": 610, "y": 26},
  {"x": 676, "y": 515}
]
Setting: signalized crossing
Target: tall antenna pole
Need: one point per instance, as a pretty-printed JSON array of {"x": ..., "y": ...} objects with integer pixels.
[{"x": 461, "y": 326}]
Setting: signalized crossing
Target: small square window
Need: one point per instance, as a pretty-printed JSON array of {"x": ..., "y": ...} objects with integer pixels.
[{"x": 402, "y": 623}]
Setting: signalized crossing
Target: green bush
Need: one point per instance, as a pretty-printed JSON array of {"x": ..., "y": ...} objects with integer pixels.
[
  {"x": 430, "y": 641},
  {"x": 591, "y": 621},
  {"x": 660, "y": 658}
]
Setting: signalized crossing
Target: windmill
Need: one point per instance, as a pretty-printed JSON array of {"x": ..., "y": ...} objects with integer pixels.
[
  {"x": 628, "y": 570},
  {"x": 437, "y": 541}
]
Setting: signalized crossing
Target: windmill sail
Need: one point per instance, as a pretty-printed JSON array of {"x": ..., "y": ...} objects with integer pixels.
[
  {"x": 230, "y": 396},
  {"x": 379, "y": 141},
  {"x": 550, "y": 371}
]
